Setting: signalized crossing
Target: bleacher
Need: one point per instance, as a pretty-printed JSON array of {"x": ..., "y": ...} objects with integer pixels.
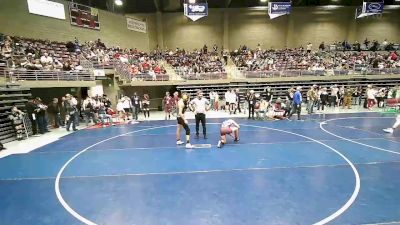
[{"x": 11, "y": 95}]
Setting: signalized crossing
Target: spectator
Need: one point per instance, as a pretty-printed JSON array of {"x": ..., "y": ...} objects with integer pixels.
[
  {"x": 17, "y": 117},
  {"x": 297, "y": 101},
  {"x": 53, "y": 110}
]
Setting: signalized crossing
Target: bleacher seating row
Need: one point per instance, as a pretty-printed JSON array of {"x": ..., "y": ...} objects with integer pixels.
[{"x": 10, "y": 95}]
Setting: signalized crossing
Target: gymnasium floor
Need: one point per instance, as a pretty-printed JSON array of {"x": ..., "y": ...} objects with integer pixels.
[{"x": 335, "y": 169}]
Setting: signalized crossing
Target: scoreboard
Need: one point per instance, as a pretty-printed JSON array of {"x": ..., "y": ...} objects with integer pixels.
[{"x": 84, "y": 16}]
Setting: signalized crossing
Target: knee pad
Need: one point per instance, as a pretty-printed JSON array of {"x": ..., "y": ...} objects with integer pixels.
[{"x": 187, "y": 129}]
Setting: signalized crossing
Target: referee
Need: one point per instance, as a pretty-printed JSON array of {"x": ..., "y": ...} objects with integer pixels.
[{"x": 200, "y": 105}]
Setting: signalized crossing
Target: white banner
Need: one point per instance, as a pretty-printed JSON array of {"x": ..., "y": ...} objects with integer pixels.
[
  {"x": 46, "y": 8},
  {"x": 136, "y": 25}
]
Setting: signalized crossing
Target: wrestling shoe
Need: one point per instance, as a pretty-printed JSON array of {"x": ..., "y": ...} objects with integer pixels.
[
  {"x": 188, "y": 145},
  {"x": 388, "y": 130},
  {"x": 179, "y": 142},
  {"x": 219, "y": 145}
]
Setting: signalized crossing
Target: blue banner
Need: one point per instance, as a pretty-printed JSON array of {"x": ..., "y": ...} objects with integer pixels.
[
  {"x": 195, "y": 11},
  {"x": 369, "y": 9},
  {"x": 276, "y": 9},
  {"x": 374, "y": 7}
]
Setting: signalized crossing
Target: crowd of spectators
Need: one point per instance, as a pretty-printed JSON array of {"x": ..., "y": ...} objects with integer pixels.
[
  {"x": 31, "y": 54},
  {"x": 317, "y": 59},
  {"x": 196, "y": 61}
]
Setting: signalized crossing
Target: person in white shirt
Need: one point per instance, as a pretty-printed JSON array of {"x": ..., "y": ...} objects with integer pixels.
[
  {"x": 334, "y": 95},
  {"x": 309, "y": 47},
  {"x": 227, "y": 99},
  {"x": 232, "y": 101},
  {"x": 212, "y": 98},
  {"x": 216, "y": 99},
  {"x": 120, "y": 109},
  {"x": 228, "y": 127},
  {"x": 262, "y": 110},
  {"x": 127, "y": 105},
  {"x": 46, "y": 59},
  {"x": 200, "y": 105},
  {"x": 371, "y": 93}
]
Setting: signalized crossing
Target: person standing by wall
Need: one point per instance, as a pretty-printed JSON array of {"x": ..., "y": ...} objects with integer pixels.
[
  {"x": 324, "y": 97},
  {"x": 311, "y": 99},
  {"x": 227, "y": 99},
  {"x": 216, "y": 99},
  {"x": 127, "y": 102},
  {"x": 136, "y": 105},
  {"x": 251, "y": 102},
  {"x": 232, "y": 101},
  {"x": 238, "y": 101},
  {"x": 334, "y": 96},
  {"x": 146, "y": 105},
  {"x": 71, "y": 113},
  {"x": 356, "y": 96},
  {"x": 167, "y": 104},
  {"x": 200, "y": 106},
  {"x": 371, "y": 93},
  {"x": 31, "y": 109},
  {"x": 41, "y": 116},
  {"x": 88, "y": 109},
  {"x": 347, "y": 98},
  {"x": 53, "y": 110},
  {"x": 212, "y": 99},
  {"x": 17, "y": 117},
  {"x": 297, "y": 100}
]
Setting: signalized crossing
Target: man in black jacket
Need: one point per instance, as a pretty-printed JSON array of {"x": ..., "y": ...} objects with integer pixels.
[
  {"x": 251, "y": 99},
  {"x": 31, "y": 109},
  {"x": 136, "y": 103}
]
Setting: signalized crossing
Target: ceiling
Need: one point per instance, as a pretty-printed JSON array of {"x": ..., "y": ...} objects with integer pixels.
[{"x": 151, "y": 6}]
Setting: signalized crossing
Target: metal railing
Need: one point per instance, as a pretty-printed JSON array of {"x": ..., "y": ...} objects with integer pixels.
[
  {"x": 42, "y": 75},
  {"x": 331, "y": 72},
  {"x": 205, "y": 76}
]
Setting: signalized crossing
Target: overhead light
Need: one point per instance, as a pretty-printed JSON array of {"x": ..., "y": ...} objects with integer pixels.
[
  {"x": 263, "y": 1},
  {"x": 118, "y": 2},
  {"x": 192, "y": 1}
]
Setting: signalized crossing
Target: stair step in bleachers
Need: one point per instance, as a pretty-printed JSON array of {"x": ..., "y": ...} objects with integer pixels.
[{"x": 10, "y": 95}]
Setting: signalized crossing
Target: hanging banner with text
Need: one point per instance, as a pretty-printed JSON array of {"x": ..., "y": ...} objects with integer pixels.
[
  {"x": 277, "y": 9},
  {"x": 195, "y": 11},
  {"x": 369, "y": 9},
  {"x": 136, "y": 25}
]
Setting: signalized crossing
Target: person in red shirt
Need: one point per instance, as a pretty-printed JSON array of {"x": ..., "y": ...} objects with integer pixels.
[
  {"x": 393, "y": 56},
  {"x": 157, "y": 70}
]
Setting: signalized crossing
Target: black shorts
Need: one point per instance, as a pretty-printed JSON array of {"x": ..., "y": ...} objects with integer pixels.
[
  {"x": 180, "y": 121},
  {"x": 128, "y": 110},
  {"x": 145, "y": 106}
]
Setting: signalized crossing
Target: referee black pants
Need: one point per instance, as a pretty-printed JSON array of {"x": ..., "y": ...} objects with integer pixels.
[{"x": 200, "y": 117}]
